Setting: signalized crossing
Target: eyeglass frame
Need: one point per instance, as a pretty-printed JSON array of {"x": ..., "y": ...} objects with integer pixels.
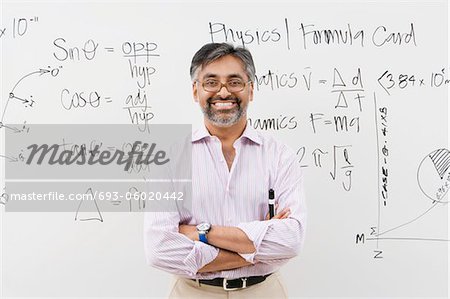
[{"x": 223, "y": 85}]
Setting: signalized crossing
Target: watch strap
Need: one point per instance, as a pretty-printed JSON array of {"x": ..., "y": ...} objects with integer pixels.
[{"x": 202, "y": 237}]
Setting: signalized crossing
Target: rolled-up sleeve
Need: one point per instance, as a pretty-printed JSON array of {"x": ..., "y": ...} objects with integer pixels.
[
  {"x": 276, "y": 240},
  {"x": 169, "y": 250}
]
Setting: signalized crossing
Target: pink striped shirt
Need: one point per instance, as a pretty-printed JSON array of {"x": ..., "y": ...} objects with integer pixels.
[{"x": 236, "y": 197}]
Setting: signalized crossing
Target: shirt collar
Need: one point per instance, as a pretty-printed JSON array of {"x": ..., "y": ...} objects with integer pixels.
[
  {"x": 252, "y": 134},
  {"x": 249, "y": 133},
  {"x": 200, "y": 133}
]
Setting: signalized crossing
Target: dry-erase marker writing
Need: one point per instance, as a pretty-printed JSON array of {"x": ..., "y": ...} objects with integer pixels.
[{"x": 271, "y": 203}]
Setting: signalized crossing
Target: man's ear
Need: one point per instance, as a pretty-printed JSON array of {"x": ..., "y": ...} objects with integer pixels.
[
  {"x": 250, "y": 92},
  {"x": 195, "y": 91}
]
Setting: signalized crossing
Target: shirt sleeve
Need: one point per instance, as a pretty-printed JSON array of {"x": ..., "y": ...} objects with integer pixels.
[
  {"x": 276, "y": 240},
  {"x": 165, "y": 247},
  {"x": 169, "y": 250}
]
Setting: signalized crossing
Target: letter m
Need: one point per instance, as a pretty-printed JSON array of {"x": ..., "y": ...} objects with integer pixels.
[
  {"x": 269, "y": 123},
  {"x": 360, "y": 238},
  {"x": 341, "y": 123},
  {"x": 45, "y": 150}
]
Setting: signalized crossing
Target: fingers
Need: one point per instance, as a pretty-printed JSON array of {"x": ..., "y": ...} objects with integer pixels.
[
  {"x": 268, "y": 215},
  {"x": 283, "y": 214}
]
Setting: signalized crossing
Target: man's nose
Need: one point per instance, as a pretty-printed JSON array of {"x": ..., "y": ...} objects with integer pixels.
[{"x": 223, "y": 92}]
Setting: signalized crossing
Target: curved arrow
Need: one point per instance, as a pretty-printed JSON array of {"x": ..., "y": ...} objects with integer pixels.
[
  {"x": 11, "y": 94},
  {"x": 40, "y": 72}
]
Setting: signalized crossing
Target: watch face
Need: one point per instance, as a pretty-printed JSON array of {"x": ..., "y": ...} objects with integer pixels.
[{"x": 203, "y": 226}]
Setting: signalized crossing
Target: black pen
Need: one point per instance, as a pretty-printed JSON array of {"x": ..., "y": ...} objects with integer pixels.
[{"x": 271, "y": 203}]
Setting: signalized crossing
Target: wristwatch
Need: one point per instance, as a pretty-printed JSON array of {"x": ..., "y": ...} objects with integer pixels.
[{"x": 203, "y": 229}]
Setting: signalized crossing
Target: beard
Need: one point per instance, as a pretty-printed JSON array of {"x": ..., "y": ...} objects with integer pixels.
[{"x": 224, "y": 117}]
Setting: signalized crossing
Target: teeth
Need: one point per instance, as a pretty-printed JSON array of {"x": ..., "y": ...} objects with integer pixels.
[{"x": 221, "y": 104}]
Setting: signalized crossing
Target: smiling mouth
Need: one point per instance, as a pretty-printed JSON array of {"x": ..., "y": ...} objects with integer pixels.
[{"x": 224, "y": 105}]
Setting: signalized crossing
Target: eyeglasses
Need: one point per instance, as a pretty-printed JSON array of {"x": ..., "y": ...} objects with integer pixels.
[{"x": 233, "y": 85}]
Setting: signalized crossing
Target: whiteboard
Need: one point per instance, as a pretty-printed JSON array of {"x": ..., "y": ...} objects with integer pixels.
[{"x": 358, "y": 89}]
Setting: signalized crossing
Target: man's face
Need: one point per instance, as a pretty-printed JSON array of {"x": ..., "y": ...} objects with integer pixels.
[{"x": 222, "y": 108}]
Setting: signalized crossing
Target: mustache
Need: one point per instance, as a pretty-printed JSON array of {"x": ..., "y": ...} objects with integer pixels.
[{"x": 228, "y": 98}]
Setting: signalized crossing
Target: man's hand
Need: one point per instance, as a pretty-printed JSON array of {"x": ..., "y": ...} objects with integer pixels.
[
  {"x": 282, "y": 215},
  {"x": 189, "y": 231}
]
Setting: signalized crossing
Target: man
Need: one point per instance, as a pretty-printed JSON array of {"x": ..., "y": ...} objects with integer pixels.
[{"x": 226, "y": 246}]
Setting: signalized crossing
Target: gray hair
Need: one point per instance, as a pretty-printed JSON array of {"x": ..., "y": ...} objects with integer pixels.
[{"x": 213, "y": 51}]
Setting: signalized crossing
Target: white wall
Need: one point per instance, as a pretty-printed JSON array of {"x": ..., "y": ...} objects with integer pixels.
[{"x": 50, "y": 254}]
